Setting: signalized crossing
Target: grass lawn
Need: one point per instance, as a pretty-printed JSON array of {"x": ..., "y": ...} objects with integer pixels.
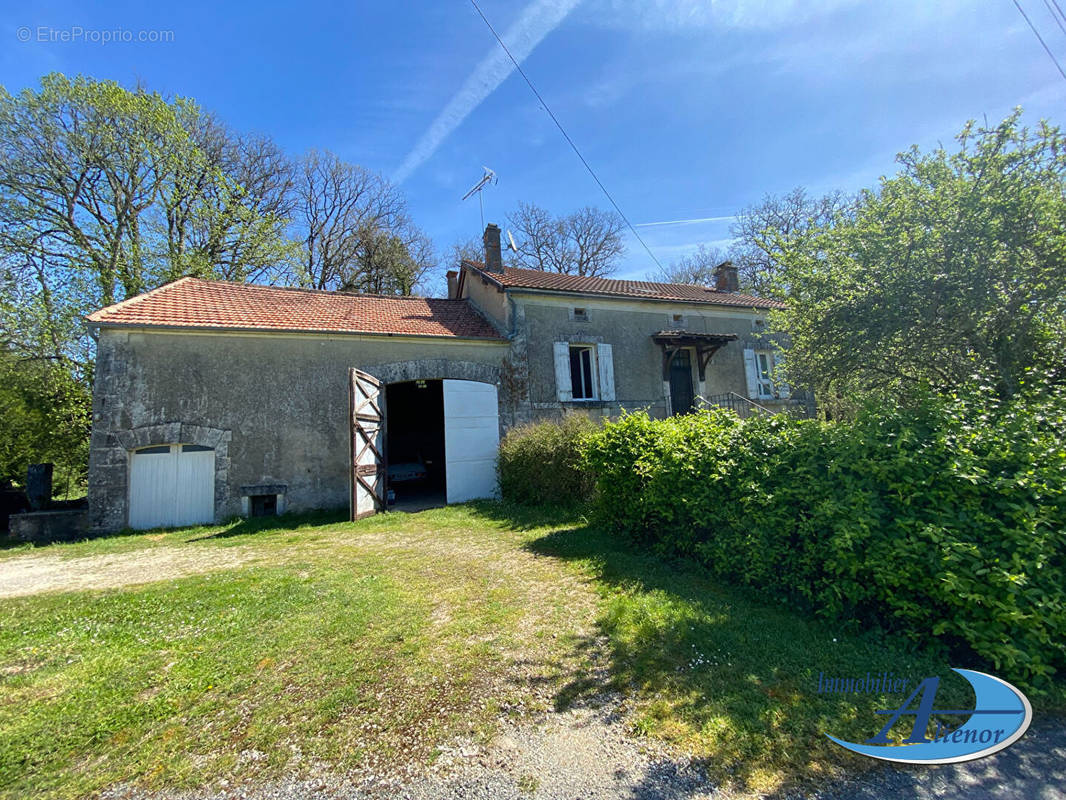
[{"x": 344, "y": 646}]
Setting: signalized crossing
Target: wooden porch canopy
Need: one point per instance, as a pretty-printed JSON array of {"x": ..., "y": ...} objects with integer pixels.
[{"x": 705, "y": 344}]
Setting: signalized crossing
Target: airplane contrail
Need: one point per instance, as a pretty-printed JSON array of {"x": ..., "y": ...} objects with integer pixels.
[
  {"x": 537, "y": 20},
  {"x": 692, "y": 221}
]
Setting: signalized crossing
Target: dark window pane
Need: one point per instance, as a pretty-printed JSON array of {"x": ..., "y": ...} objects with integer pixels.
[
  {"x": 586, "y": 363},
  {"x": 163, "y": 448},
  {"x": 575, "y": 373},
  {"x": 195, "y": 448}
]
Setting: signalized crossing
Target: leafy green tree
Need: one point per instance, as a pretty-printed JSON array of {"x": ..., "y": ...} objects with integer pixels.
[
  {"x": 132, "y": 189},
  {"x": 46, "y": 417},
  {"x": 390, "y": 262},
  {"x": 107, "y": 192},
  {"x": 951, "y": 272}
]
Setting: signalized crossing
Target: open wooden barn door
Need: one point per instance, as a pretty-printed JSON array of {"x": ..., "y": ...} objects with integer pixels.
[{"x": 367, "y": 415}]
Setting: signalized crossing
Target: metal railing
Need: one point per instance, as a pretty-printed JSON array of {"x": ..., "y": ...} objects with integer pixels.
[
  {"x": 798, "y": 407},
  {"x": 738, "y": 403}
]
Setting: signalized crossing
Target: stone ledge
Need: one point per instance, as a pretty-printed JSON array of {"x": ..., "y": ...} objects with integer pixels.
[
  {"x": 265, "y": 488},
  {"x": 50, "y": 526}
]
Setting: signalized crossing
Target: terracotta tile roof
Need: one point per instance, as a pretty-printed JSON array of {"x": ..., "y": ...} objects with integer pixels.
[
  {"x": 648, "y": 290},
  {"x": 195, "y": 303}
]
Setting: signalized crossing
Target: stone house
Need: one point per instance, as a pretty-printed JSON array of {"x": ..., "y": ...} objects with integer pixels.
[{"x": 214, "y": 400}]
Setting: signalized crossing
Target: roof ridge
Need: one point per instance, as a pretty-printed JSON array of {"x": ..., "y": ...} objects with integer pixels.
[
  {"x": 480, "y": 266},
  {"x": 307, "y": 289},
  {"x": 583, "y": 285}
]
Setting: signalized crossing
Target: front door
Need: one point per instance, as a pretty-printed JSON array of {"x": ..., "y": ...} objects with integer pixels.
[{"x": 682, "y": 396}]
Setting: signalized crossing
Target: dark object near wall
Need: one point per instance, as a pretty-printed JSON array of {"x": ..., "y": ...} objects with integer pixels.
[
  {"x": 264, "y": 505},
  {"x": 12, "y": 501},
  {"x": 39, "y": 486}
]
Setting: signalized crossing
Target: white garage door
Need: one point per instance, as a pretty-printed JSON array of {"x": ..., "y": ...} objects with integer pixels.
[
  {"x": 172, "y": 485},
  {"x": 471, "y": 439}
]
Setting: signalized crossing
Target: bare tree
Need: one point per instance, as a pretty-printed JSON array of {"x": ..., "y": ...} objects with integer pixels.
[
  {"x": 340, "y": 208},
  {"x": 696, "y": 268},
  {"x": 587, "y": 242},
  {"x": 466, "y": 250},
  {"x": 762, "y": 232}
]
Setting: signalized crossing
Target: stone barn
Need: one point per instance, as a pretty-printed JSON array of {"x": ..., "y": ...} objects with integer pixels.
[{"x": 214, "y": 400}]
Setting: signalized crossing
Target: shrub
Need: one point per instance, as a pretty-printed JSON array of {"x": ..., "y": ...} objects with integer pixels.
[
  {"x": 946, "y": 521},
  {"x": 542, "y": 462}
]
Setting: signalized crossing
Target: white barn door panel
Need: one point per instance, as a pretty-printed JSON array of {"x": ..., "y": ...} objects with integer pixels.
[
  {"x": 171, "y": 487},
  {"x": 471, "y": 439},
  {"x": 194, "y": 487}
]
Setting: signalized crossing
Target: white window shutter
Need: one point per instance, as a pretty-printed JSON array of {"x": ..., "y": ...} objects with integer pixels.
[
  {"x": 752, "y": 373},
  {"x": 780, "y": 386},
  {"x": 605, "y": 362},
  {"x": 564, "y": 390}
]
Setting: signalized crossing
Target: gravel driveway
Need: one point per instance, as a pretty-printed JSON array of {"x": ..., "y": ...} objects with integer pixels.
[
  {"x": 33, "y": 574},
  {"x": 1034, "y": 768},
  {"x": 586, "y": 754}
]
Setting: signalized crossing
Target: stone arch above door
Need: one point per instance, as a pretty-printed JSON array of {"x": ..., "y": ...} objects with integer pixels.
[
  {"x": 428, "y": 369},
  {"x": 167, "y": 433}
]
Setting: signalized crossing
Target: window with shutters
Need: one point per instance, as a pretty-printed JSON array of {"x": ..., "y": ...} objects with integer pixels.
[{"x": 583, "y": 371}]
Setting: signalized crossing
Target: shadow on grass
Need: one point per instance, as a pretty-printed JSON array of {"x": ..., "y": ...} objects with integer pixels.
[
  {"x": 283, "y": 522},
  {"x": 722, "y": 673},
  {"x": 198, "y": 533},
  {"x": 527, "y": 518}
]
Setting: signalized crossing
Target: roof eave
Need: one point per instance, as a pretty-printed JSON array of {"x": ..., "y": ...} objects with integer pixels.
[
  {"x": 484, "y": 273},
  {"x": 313, "y": 331}
]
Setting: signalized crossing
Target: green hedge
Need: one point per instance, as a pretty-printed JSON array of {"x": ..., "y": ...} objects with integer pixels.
[
  {"x": 946, "y": 521},
  {"x": 543, "y": 462}
]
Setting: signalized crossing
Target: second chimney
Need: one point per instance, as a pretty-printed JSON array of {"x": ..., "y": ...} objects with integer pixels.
[
  {"x": 493, "y": 254},
  {"x": 726, "y": 278}
]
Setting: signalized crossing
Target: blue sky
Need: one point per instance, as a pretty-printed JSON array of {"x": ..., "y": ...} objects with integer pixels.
[{"x": 687, "y": 110}]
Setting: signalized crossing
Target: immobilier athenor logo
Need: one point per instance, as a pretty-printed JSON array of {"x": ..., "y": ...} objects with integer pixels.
[{"x": 1000, "y": 716}]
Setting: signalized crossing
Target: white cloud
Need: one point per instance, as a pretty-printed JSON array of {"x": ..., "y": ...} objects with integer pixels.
[{"x": 537, "y": 20}]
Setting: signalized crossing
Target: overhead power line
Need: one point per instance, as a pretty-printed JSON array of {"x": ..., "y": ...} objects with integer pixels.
[
  {"x": 1056, "y": 2},
  {"x": 1041, "y": 39},
  {"x": 1055, "y": 14},
  {"x": 566, "y": 136}
]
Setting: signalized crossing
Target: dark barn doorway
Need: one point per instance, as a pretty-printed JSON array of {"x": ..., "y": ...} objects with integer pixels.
[{"x": 414, "y": 445}]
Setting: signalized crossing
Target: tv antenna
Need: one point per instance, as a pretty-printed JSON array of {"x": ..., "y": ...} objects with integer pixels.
[{"x": 486, "y": 179}]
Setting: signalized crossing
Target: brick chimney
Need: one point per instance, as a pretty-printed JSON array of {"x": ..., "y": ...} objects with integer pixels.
[
  {"x": 493, "y": 254},
  {"x": 453, "y": 284},
  {"x": 726, "y": 278}
]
